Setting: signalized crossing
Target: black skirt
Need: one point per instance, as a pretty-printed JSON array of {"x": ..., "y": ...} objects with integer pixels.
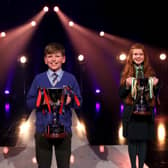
[{"x": 140, "y": 128}]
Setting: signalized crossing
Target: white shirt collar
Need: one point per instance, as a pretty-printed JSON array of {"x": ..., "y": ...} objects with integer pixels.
[{"x": 58, "y": 72}]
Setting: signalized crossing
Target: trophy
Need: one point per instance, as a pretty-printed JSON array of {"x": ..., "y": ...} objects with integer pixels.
[
  {"x": 53, "y": 99},
  {"x": 141, "y": 102}
]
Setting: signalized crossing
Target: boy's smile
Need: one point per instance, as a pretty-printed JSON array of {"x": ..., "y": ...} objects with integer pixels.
[{"x": 54, "y": 60}]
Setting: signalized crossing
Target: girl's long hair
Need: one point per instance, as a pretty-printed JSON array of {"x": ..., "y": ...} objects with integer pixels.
[{"x": 129, "y": 70}]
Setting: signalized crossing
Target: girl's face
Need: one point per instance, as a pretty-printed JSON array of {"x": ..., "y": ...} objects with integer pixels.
[{"x": 138, "y": 56}]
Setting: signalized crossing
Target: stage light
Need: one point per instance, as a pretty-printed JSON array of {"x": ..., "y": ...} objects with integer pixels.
[
  {"x": 33, "y": 23},
  {"x": 122, "y": 57},
  {"x": 163, "y": 56},
  {"x": 34, "y": 160},
  {"x": 81, "y": 58},
  {"x": 7, "y": 107},
  {"x": 3, "y": 34},
  {"x": 155, "y": 110},
  {"x": 72, "y": 159},
  {"x": 71, "y": 23},
  {"x": 120, "y": 134},
  {"x": 56, "y": 9},
  {"x": 98, "y": 106},
  {"x": 23, "y": 59},
  {"x": 46, "y": 9},
  {"x": 6, "y": 92},
  {"x": 101, "y": 148},
  {"x": 24, "y": 127},
  {"x": 5, "y": 150},
  {"x": 121, "y": 108},
  {"x": 161, "y": 133},
  {"x": 98, "y": 91},
  {"x": 81, "y": 129},
  {"x": 101, "y": 33}
]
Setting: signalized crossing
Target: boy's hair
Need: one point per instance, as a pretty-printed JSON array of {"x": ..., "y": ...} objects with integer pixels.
[{"x": 54, "y": 47}]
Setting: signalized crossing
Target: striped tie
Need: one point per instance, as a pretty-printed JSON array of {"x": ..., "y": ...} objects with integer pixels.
[{"x": 54, "y": 80}]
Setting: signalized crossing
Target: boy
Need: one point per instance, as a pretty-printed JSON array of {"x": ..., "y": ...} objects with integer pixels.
[{"x": 54, "y": 58}]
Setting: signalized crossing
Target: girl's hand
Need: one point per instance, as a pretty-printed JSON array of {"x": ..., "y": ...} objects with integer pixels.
[
  {"x": 155, "y": 81},
  {"x": 129, "y": 82}
]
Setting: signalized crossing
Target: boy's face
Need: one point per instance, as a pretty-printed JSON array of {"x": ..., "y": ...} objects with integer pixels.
[{"x": 54, "y": 60}]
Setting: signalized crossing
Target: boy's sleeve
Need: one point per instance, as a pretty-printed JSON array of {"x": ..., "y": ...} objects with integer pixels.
[
  {"x": 32, "y": 95},
  {"x": 76, "y": 90}
]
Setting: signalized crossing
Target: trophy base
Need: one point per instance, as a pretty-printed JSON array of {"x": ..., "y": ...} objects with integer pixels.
[
  {"x": 55, "y": 131},
  {"x": 143, "y": 113},
  {"x": 54, "y": 135}
]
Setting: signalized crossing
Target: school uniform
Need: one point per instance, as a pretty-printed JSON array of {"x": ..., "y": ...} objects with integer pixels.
[{"x": 44, "y": 145}]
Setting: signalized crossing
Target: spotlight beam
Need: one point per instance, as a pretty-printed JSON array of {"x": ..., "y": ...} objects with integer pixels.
[{"x": 15, "y": 42}]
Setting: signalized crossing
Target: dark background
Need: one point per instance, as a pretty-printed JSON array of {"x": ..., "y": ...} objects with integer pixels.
[{"x": 137, "y": 21}]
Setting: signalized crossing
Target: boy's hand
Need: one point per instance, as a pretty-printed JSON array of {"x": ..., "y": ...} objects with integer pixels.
[{"x": 68, "y": 100}]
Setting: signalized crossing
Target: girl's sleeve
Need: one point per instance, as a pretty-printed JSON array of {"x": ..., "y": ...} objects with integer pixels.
[{"x": 123, "y": 91}]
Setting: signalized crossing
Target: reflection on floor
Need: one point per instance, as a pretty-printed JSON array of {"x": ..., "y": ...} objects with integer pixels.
[{"x": 83, "y": 154}]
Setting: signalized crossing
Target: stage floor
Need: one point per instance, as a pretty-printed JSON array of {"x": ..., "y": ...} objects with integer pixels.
[
  {"x": 83, "y": 155},
  {"x": 17, "y": 149}
]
